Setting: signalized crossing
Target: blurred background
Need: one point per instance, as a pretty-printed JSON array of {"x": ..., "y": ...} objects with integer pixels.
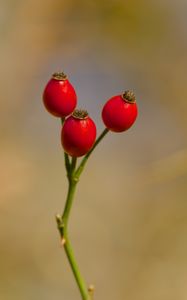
[{"x": 128, "y": 225}]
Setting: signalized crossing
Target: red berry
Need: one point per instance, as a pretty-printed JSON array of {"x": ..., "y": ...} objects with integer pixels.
[
  {"x": 120, "y": 112},
  {"x": 59, "y": 96},
  {"x": 78, "y": 133}
]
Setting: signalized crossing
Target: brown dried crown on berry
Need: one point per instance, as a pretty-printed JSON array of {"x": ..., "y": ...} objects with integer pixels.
[
  {"x": 80, "y": 114},
  {"x": 129, "y": 96},
  {"x": 59, "y": 76}
]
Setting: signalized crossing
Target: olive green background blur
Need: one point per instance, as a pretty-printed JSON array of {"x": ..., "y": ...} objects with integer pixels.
[{"x": 128, "y": 224}]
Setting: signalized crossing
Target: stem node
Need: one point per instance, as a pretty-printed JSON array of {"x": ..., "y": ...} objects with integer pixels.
[{"x": 75, "y": 179}]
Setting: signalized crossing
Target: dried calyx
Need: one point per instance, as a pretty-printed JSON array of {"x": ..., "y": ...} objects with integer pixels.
[
  {"x": 80, "y": 114},
  {"x": 129, "y": 96},
  {"x": 59, "y": 76}
]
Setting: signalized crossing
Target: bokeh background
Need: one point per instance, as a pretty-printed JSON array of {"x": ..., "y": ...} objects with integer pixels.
[{"x": 129, "y": 220}]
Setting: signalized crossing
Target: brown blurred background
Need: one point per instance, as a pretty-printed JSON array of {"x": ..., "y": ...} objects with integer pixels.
[{"x": 129, "y": 220}]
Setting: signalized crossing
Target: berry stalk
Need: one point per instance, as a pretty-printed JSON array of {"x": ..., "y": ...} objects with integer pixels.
[
  {"x": 85, "y": 158},
  {"x": 62, "y": 223},
  {"x": 73, "y": 176}
]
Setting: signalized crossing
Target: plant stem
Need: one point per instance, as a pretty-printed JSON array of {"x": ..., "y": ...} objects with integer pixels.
[
  {"x": 80, "y": 281},
  {"x": 67, "y": 162},
  {"x": 84, "y": 160},
  {"x": 62, "y": 220}
]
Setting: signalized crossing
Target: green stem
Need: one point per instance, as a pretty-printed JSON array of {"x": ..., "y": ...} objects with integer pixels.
[
  {"x": 67, "y": 162},
  {"x": 80, "y": 281},
  {"x": 69, "y": 201},
  {"x": 62, "y": 221},
  {"x": 62, "y": 121},
  {"x": 84, "y": 160},
  {"x": 73, "y": 165}
]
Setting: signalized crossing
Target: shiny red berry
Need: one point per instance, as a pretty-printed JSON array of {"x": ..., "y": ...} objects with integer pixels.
[
  {"x": 78, "y": 133},
  {"x": 59, "y": 96},
  {"x": 120, "y": 112}
]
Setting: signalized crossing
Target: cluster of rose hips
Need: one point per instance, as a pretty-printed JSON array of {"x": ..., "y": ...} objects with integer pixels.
[{"x": 79, "y": 130}]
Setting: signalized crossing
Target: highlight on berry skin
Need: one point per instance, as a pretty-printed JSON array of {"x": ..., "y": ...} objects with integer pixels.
[
  {"x": 59, "y": 96},
  {"x": 120, "y": 112},
  {"x": 78, "y": 133}
]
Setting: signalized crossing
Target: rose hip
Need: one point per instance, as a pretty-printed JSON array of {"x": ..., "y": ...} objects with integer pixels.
[
  {"x": 78, "y": 133},
  {"x": 59, "y": 96},
  {"x": 120, "y": 112}
]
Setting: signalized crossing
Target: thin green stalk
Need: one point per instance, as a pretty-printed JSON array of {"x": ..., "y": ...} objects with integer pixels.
[
  {"x": 73, "y": 165},
  {"x": 71, "y": 188},
  {"x": 67, "y": 245},
  {"x": 80, "y": 281},
  {"x": 69, "y": 201},
  {"x": 62, "y": 121},
  {"x": 84, "y": 160},
  {"x": 67, "y": 162},
  {"x": 62, "y": 221}
]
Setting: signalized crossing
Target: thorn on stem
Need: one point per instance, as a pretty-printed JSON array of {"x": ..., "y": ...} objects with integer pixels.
[
  {"x": 58, "y": 218},
  {"x": 63, "y": 241},
  {"x": 91, "y": 288}
]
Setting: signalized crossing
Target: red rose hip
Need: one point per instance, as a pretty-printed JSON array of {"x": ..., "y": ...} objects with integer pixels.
[
  {"x": 78, "y": 133},
  {"x": 59, "y": 96},
  {"x": 120, "y": 112}
]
